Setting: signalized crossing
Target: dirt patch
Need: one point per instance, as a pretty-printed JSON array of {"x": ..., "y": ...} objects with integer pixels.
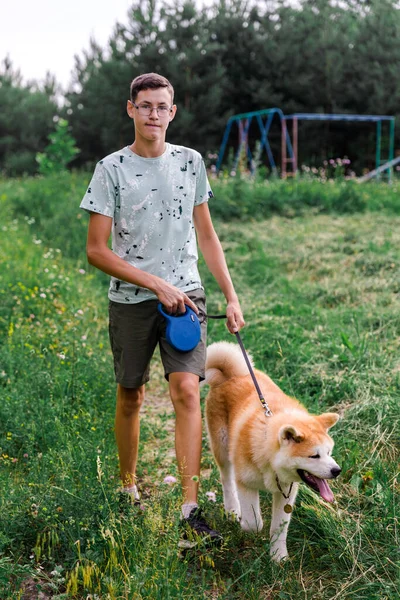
[{"x": 33, "y": 589}]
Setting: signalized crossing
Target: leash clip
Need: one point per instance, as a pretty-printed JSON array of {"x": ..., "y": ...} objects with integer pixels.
[{"x": 267, "y": 410}]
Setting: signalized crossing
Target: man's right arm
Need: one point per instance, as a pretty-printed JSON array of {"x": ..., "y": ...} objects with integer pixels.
[{"x": 100, "y": 256}]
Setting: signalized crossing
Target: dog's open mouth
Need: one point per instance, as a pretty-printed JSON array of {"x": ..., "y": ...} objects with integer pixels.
[{"x": 318, "y": 485}]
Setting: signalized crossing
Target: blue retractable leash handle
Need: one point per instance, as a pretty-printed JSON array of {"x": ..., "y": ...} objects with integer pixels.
[{"x": 183, "y": 331}]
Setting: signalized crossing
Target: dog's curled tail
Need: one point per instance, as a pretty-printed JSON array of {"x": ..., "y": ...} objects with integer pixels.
[{"x": 224, "y": 360}]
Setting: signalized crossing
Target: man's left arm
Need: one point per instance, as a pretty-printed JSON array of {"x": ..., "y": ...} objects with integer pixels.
[{"x": 213, "y": 254}]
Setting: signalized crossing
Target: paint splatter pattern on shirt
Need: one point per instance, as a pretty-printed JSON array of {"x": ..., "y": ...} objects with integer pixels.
[{"x": 151, "y": 202}]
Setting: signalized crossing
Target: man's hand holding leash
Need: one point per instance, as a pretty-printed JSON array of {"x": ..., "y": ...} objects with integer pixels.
[{"x": 234, "y": 315}]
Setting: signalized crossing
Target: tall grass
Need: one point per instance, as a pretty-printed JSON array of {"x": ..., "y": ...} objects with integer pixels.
[{"x": 321, "y": 299}]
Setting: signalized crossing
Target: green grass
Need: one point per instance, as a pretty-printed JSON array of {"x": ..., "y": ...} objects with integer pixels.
[
  {"x": 320, "y": 291},
  {"x": 51, "y": 205}
]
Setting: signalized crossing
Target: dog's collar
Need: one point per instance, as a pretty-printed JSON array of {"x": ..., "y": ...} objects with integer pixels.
[{"x": 288, "y": 507}]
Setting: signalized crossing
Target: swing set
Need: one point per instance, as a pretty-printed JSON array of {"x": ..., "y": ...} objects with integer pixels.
[{"x": 289, "y": 144}]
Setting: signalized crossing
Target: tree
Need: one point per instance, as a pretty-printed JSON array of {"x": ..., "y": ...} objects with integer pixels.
[
  {"x": 59, "y": 152},
  {"x": 26, "y": 118},
  {"x": 194, "y": 66},
  {"x": 172, "y": 39}
]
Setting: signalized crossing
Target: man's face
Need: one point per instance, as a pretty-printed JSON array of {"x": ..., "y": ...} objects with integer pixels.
[{"x": 153, "y": 126}]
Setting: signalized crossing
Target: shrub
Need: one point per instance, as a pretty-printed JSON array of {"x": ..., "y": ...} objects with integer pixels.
[{"x": 60, "y": 151}]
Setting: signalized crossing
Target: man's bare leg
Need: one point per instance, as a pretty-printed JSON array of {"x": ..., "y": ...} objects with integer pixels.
[
  {"x": 185, "y": 396},
  {"x": 127, "y": 428}
]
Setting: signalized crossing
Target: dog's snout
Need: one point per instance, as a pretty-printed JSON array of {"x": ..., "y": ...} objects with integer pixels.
[{"x": 336, "y": 471}]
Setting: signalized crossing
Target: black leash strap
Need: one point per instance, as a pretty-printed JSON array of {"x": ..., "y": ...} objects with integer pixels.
[{"x": 267, "y": 410}]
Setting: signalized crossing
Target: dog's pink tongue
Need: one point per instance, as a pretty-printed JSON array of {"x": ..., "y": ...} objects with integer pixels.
[{"x": 324, "y": 490}]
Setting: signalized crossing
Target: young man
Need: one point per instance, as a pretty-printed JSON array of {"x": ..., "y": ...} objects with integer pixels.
[{"x": 152, "y": 198}]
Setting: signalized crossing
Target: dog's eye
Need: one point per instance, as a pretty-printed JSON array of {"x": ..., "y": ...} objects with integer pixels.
[{"x": 315, "y": 456}]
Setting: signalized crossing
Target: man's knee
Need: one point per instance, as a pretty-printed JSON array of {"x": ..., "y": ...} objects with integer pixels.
[
  {"x": 185, "y": 392},
  {"x": 130, "y": 400}
]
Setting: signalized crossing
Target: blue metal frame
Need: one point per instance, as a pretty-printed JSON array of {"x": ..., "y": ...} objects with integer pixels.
[
  {"x": 357, "y": 118},
  {"x": 338, "y": 117},
  {"x": 247, "y": 118}
]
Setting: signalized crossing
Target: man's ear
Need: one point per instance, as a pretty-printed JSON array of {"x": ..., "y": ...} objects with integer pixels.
[
  {"x": 328, "y": 420},
  {"x": 289, "y": 434},
  {"x": 130, "y": 108},
  {"x": 173, "y": 112}
]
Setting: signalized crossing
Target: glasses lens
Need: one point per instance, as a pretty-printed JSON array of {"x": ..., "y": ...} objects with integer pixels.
[{"x": 145, "y": 110}]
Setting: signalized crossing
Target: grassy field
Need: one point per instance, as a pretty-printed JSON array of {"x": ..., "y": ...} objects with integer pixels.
[{"x": 320, "y": 291}]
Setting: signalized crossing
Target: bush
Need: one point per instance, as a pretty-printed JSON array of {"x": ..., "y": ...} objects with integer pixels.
[
  {"x": 60, "y": 151},
  {"x": 20, "y": 162},
  {"x": 240, "y": 198}
]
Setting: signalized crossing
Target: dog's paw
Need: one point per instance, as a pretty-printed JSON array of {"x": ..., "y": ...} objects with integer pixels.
[
  {"x": 279, "y": 554},
  {"x": 253, "y": 526}
]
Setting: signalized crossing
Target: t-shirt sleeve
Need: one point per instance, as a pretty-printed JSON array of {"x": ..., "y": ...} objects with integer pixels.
[
  {"x": 100, "y": 195},
  {"x": 203, "y": 188}
]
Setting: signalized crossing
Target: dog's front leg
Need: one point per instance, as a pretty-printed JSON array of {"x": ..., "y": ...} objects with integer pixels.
[
  {"x": 251, "y": 519},
  {"x": 280, "y": 523}
]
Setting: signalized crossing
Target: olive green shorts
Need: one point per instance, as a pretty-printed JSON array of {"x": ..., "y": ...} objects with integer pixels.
[{"x": 136, "y": 329}]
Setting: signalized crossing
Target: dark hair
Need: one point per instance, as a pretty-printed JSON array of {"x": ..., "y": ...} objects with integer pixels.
[{"x": 150, "y": 81}]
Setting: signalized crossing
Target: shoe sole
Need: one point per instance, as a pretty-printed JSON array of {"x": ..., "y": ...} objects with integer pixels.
[
  {"x": 187, "y": 544},
  {"x": 205, "y": 542}
]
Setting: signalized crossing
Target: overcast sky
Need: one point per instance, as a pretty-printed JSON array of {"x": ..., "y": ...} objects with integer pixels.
[{"x": 44, "y": 35}]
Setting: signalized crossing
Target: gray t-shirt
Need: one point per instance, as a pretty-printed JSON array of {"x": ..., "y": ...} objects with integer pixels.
[{"x": 151, "y": 202}]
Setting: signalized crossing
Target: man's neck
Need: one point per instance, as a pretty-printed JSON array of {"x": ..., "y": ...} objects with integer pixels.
[{"x": 147, "y": 150}]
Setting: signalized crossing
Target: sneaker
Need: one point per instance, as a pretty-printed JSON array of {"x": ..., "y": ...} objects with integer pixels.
[
  {"x": 126, "y": 501},
  {"x": 197, "y": 529}
]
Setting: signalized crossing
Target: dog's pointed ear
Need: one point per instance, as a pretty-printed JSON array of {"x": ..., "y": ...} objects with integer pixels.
[
  {"x": 289, "y": 433},
  {"x": 328, "y": 420}
]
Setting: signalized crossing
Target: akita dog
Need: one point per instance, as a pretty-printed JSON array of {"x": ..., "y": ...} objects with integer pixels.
[{"x": 256, "y": 452}]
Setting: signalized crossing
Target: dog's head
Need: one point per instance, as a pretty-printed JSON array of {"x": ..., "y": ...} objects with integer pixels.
[{"x": 305, "y": 452}]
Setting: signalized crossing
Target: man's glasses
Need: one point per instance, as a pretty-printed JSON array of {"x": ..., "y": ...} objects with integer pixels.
[{"x": 145, "y": 110}]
